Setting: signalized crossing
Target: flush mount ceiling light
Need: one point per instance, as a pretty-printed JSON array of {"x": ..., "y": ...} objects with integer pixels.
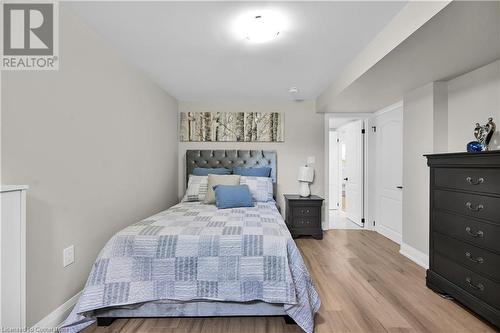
[{"x": 259, "y": 27}]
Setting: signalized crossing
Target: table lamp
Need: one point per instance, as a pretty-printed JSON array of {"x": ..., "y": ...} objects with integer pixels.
[{"x": 306, "y": 176}]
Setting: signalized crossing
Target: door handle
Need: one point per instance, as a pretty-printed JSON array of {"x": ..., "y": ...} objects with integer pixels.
[
  {"x": 400, "y": 187},
  {"x": 346, "y": 179}
]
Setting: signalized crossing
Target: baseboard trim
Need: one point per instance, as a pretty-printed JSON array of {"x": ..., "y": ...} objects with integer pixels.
[
  {"x": 392, "y": 235},
  {"x": 415, "y": 255},
  {"x": 325, "y": 225},
  {"x": 57, "y": 317}
]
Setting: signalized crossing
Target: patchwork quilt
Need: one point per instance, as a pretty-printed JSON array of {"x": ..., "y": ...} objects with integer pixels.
[{"x": 194, "y": 251}]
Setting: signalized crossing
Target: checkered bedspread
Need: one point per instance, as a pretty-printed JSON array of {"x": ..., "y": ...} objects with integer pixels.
[{"x": 194, "y": 251}]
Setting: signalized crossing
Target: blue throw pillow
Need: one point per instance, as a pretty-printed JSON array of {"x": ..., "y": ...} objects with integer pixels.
[
  {"x": 232, "y": 196},
  {"x": 211, "y": 171},
  {"x": 255, "y": 172}
]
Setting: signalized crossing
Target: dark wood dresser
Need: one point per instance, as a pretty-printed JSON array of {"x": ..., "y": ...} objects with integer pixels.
[
  {"x": 303, "y": 215},
  {"x": 464, "y": 255}
]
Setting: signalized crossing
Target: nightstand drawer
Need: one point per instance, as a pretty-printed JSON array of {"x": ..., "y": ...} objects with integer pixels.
[
  {"x": 303, "y": 215},
  {"x": 306, "y": 222},
  {"x": 305, "y": 211}
]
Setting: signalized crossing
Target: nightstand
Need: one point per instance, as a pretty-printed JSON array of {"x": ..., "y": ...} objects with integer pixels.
[{"x": 303, "y": 215}]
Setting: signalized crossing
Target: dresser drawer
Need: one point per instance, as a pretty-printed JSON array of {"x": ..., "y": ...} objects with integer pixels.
[
  {"x": 479, "y": 179},
  {"x": 476, "y": 259},
  {"x": 469, "y": 204},
  {"x": 466, "y": 279},
  {"x": 305, "y": 211},
  {"x": 462, "y": 227},
  {"x": 306, "y": 222}
]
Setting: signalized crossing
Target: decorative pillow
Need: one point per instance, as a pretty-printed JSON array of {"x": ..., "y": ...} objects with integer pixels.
[
  {"x": 211, "y": 171},
  {"x": 232, "y": 196},
  {"x": 260, "y": 187},
  {"x": 219, "y": 180},
  {"x": 196, "y": 189},
  {"x": 256, "y": 172}
]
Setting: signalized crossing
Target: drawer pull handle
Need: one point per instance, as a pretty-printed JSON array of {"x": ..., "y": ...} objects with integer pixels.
[
  {"x": 476, "y": 182},
  {"x": 474, "y": 209},
  {"x": 478, "y": 260},
  {"x": 478, "y": 233},
  {"x": 478, "y": 286}
]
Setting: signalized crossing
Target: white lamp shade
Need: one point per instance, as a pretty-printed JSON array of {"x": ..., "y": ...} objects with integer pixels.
[{"x": 306, "y": 174}]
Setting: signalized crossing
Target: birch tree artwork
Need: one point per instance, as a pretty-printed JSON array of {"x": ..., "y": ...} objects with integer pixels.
[{"x": 231, "y": 126}]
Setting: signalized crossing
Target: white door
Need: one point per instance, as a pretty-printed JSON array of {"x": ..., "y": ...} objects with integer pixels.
[
  {"x": 351, "y": 169},
  {"x": 389, "y": 173}
]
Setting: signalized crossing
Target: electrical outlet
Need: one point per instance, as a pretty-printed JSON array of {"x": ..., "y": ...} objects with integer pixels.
[
  {"x": 68, "y": 256},
  {"x": 311, "y": 160}
]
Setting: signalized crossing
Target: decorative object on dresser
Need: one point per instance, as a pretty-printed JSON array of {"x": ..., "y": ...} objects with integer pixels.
[
  {"x": 306, "y": 176},
  {"x": 303, "y": 215},
  {"x": 474, "y": 147},
  {"x": 483, "y": 135},
  {"x": 464, "y": 254},
  {"x": 13, "y": 257}
]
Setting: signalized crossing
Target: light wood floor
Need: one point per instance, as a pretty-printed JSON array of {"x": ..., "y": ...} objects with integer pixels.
[{"x": 365, "y": 285}]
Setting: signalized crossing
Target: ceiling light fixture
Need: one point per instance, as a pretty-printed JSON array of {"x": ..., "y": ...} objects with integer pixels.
[{"x": 259, "y": 27}]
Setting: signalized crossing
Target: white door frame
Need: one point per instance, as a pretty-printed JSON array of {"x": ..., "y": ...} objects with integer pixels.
[
  {"x": 363, "y": 116},
  {"x": 334, "y": 172},
  {"x": 378, "y": 228}
]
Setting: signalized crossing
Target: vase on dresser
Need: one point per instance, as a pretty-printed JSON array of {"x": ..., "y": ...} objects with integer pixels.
[{"x": 464, "y": 253}]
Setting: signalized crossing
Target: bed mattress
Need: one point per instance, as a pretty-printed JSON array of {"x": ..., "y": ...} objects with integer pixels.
[{"x": 196, "y": 252}]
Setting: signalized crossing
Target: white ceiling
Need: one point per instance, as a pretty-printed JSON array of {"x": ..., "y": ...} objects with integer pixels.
[
  {"x": 463, "y": 36},
  {"x": 191, "y": 51}
]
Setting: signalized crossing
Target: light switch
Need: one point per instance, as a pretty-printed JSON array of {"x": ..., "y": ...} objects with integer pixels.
[{"x": 68, "y": 256}]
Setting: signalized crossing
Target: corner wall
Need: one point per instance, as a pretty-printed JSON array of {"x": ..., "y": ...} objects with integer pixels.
[
  {"x": 440, "y": 117},
  {"x": 472, "y": 98},
  {"x": 96, "y": 142},
  {"x": 418, "y": 139}
]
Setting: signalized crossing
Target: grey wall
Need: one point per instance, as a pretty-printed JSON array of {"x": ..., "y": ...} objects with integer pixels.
[
  {"x": 418, "y": 139},
  {"x": 472, "y": 98},
  {"x": 96, "y": 142},
  {"x": 440, "y": 117},
  {"x": 304, "y": 136}
]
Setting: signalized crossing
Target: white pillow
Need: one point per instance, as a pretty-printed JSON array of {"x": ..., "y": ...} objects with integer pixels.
[
  {"x": 197, "y": 188},
  {"x": 260, "y": 187}
]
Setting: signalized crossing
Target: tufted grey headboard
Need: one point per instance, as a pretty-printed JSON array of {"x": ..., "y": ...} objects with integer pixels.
[{"x": 230, "y": 159}]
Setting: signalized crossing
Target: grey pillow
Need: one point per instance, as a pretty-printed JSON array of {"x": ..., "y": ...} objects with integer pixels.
[{"x": 219, "y": 180}]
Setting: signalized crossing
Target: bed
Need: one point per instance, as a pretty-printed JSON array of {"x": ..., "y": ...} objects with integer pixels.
[{"x": 196, "y": 260}]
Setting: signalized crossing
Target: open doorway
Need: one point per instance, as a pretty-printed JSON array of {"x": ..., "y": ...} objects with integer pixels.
[
  {"x": 346, "y": 173},
  {"x": 365, "y": 183}
]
